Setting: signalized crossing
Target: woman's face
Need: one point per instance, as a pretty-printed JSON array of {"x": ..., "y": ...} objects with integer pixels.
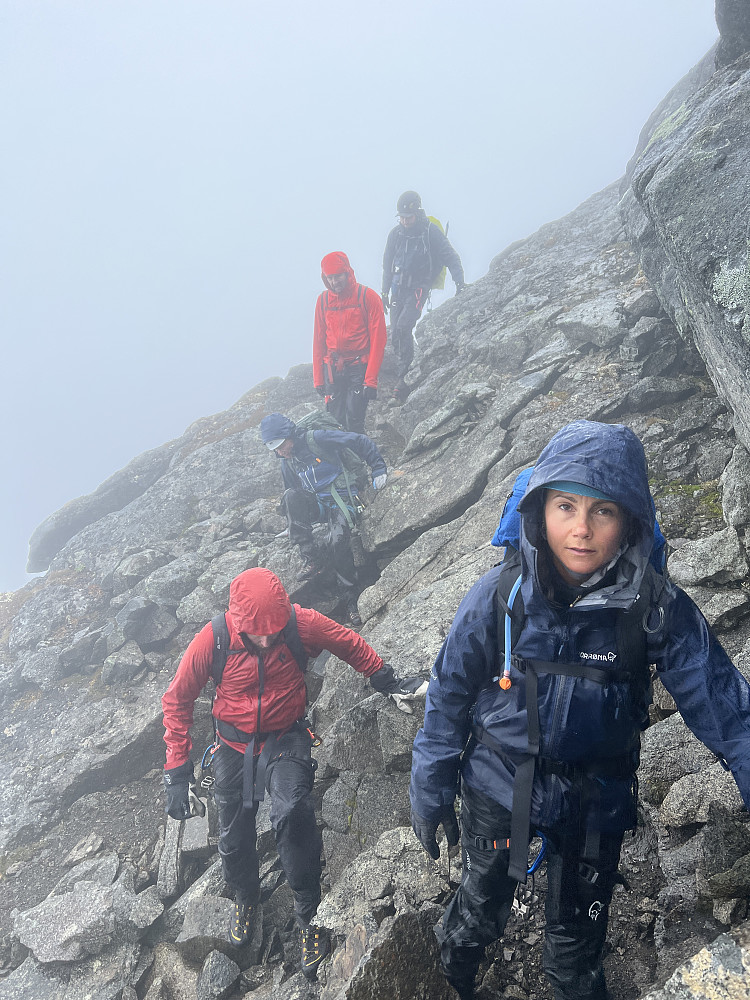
[{"x": 583, "y": 533}]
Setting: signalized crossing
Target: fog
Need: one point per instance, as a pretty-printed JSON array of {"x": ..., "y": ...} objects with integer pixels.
[{"x": 173, "y": 172}]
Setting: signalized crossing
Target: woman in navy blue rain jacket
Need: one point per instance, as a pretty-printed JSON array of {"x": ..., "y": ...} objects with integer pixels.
[{"x": 553, "y": 745}]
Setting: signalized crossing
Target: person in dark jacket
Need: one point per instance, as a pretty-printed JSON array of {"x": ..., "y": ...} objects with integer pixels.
[
  {"x": 590, "y": 601},
  {"x": 317, "y": 489},
  {"x": 263, "y": 742},
  {"x": 348, "y": 343},
  {"x": 416, "y": 251}
]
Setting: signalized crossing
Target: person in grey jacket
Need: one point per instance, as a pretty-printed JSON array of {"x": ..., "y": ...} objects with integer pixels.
[
  {"x": 416, "y": 251},
  {"x": 548, "y": 738}
]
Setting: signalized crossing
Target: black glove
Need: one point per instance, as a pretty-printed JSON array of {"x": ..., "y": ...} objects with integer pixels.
[
  {"x": 402, "y": 691},
  {"x": 386, "y": 302},
  {"x": 321, "y": 390},
  {"x": 384, "y": 680},
  {"x": 371, "y": 392},
  {"x": 425, "y": 830},
  {"x": 177, "y": 787},
  {"x": 460, "y": 286}
]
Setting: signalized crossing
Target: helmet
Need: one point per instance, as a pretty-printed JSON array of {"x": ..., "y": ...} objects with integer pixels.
[{"x": 409, "y": 203}]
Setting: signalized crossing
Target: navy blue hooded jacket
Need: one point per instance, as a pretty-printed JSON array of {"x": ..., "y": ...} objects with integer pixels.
[
  {"x": 711, "y": 694},
  {"x": 311, "y": 472}
]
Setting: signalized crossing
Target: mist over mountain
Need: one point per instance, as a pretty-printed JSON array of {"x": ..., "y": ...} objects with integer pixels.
[{"x": 634, "y": 308}]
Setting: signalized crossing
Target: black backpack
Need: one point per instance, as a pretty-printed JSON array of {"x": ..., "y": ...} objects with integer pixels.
[{"x": 221, "y": 650}]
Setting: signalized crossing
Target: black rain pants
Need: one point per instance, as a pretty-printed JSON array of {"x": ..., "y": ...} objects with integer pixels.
[
  {"x": 344, "y": 383},
  {"x": 579, "y": 891},
  {"x": 289, "y": 782},
  {"x": 302, "y": 511},
  {"x": 405, "y": 311}
]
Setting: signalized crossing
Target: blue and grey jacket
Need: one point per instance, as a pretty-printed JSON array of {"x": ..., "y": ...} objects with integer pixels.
[
  {"x": 711, "y": 694},
  {"x": 315, "y": 473}
]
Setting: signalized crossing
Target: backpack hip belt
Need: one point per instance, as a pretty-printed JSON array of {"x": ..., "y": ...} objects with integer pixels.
[
  {"x": 583, "y": 775},
  {"x": 337, "y": 361},
  {"x": 255, "y": 765}
]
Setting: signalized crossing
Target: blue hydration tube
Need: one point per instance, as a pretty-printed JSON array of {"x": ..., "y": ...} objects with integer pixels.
[{"x": 540, "y": 856}]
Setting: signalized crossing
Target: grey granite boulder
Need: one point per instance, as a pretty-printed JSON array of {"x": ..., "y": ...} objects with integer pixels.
[
  {"x": 718, "y": 971},
  {"x": 717, "y": 559},
  {"x": 735, "y": 481},
  {"x": 69, "y": 927},
  {"x": 218, "y": 975}
]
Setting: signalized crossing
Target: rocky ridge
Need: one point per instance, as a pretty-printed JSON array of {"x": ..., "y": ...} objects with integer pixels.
[{"x": 611, "y": 313}]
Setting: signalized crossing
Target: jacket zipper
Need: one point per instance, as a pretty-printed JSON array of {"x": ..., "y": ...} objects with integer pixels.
[{"x": 261, "y": 685}]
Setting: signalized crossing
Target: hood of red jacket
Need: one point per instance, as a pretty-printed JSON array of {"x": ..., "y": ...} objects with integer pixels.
[
  {"x": 336, "y": 263},
  {"x": 258, "y": 603}
]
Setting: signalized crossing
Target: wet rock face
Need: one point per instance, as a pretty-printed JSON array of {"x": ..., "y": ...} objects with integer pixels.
[
  {"x": 685, "y": 210},
  {"x": 630, "y": 309},
  {"x": 733, "y": 22}
]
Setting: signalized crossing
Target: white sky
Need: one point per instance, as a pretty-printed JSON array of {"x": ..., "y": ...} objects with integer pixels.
[{"x": 172, "y": 171}]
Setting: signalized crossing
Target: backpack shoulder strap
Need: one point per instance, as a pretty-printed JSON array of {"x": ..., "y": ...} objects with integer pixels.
[
  {"x": 220, "y": 647},
  {"x": 505, "y": 606},
  {"x": 329, "y": 454},
  {"x": 630, "y": 627},
  {"x": 361, "y": 292},
  {"x": 290, "y": 636}
]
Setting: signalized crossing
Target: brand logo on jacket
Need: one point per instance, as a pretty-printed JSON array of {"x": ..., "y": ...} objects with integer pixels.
[
  {"x": 599, "y": 657},
  {"x": 595, "y": 909}
]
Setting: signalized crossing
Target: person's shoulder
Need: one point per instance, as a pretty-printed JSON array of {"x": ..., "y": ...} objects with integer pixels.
[
  {"x": 328, "y": 435},
  {"x": 479, "y": 601}
]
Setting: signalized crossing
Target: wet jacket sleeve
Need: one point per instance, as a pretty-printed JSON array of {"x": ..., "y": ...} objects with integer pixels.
[
  {"x": 289, "y": 477},
  {"x": 444, "y": 255},
  {"x": 359, "y": 443},
  {"x": 711, "y": 694},
  {"x": 319, "y": 342},
  {"x": 388, "y": 255},
  {"x": 177, "y": 704},
  {"x": 376, "y": 330},
  {"x": 318, "y": 633},
  {"x": 462, "y": 668}
]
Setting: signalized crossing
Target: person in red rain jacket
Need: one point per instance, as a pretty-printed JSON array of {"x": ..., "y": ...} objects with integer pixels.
[
  {"x": 260, "y": 706},
  {"x": 348, "y": 343}
]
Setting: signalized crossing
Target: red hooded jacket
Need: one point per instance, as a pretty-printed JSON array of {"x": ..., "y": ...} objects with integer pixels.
[
  {"x": 348, "y": 325},
  {"x": 258, "y": 605}
]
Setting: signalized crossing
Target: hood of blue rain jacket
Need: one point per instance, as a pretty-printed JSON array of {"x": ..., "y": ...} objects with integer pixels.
[{"x": 608, "y": 458}]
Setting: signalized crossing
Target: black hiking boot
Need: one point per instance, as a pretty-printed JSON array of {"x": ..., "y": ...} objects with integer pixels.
[
  {"x": 242, "y": 923},
  {"x": 316, "y": 945},
  {"x": 464, "y": 988}
]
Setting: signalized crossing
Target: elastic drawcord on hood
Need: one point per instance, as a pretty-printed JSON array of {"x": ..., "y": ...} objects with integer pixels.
[{"x": 258, "y": 603}]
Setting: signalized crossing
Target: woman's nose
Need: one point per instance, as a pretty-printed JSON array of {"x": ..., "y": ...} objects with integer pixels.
[{"x": 582, "y": 527}]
